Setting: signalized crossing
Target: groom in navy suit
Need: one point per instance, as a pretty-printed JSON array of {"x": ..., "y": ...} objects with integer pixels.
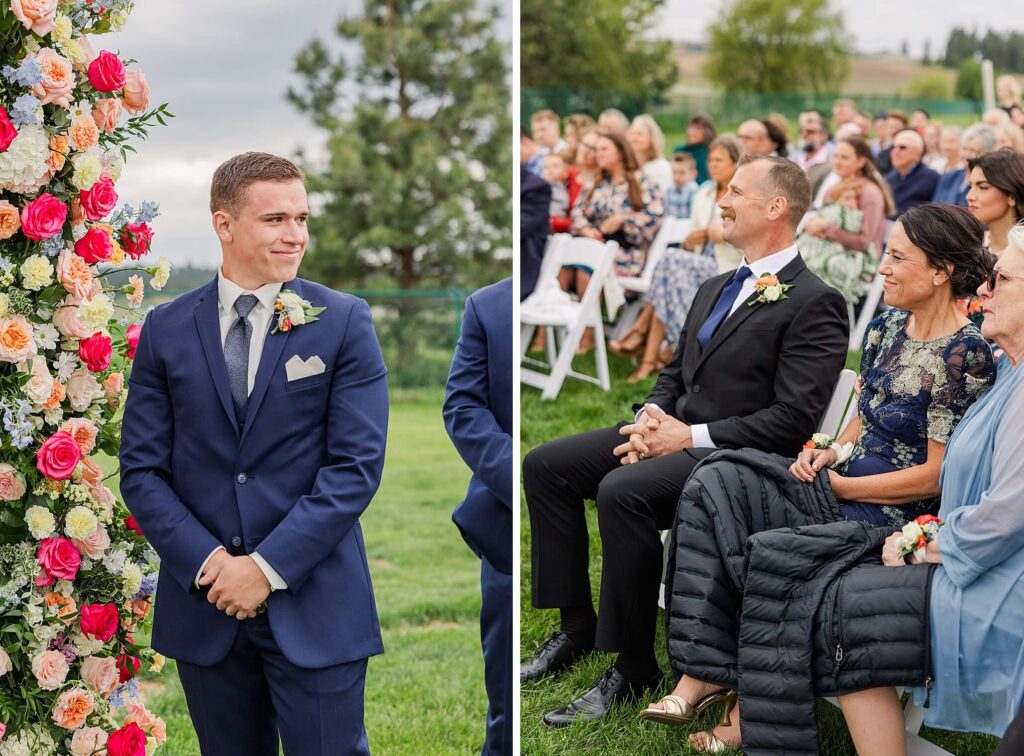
[
  {"x": 253, "y": 438},
  {"x": 478, "y": 416}
]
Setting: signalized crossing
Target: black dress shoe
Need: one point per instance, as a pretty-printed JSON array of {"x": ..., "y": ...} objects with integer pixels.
[
  {"x": 611, "y": 688},
  {"x": 558, "y": 652}
]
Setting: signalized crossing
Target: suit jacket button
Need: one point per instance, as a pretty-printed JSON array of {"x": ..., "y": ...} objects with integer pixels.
[
  {"x": 696, "y": 388},
  {"x": 242, "y": 478},
  {"x": 236, "y": 541}
]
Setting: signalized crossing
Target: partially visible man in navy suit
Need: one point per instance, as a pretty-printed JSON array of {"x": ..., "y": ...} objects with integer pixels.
[
  {"x": 478, "y": 416},
  {"x": 252, "y": 441}
]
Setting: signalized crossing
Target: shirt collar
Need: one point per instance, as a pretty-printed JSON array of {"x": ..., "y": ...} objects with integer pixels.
[
  {"x": 773, "y": 263},
  {"x": 228, "y": 292}
]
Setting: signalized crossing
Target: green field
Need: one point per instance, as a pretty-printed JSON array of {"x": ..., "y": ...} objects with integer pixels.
[
  {"x": 582, "y": 407},
  {"x": 425, "y": 694}
]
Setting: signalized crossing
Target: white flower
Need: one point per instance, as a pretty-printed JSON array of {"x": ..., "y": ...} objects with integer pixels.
[
  {"x": 47, "y": 336},
  {"x": 34, "y": 615},
  {"x": 297, "y": 316},
  {"x": 132, "y": 579},
  {"x": 23, "y": 166},
  {"x": 97, "y": 312},
  {"x": 40, "y": 522},
  {"x": 114, "y": 561},
  {"x": 80, "y": 109},
  {"x": 63, "y": 28},
  {"x": 5, "y": 662},
  {"x": 161, "y": 273},
  {"x": 773, "y": 293},
  {"x": 87, "y": 171},
  {"x": 112, "y": 162},
  {"x": 54, "y": 416},
  {"x": 36, "y": 273},
  {"x": 4, "y": 304},
  {"x": 74, "y": 52},
  {"x": 290, "y": 300},
  {"x": 84, "y": 646},
  {"x": 65, "y": 365},
  {"x": 80, "y": 523},
  {"x": 64, "y": 587}
]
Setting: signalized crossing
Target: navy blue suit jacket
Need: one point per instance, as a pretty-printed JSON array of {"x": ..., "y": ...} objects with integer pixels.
[
  {"x": 290, "y": 485},
  {"x": 478, "y": 416}
]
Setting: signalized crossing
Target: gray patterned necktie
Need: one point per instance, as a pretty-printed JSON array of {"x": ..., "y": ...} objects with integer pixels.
[{"x": 236, "y": 354}]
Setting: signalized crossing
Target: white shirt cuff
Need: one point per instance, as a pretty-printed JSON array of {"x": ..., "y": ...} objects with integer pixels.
[
  {"x": 205, "y": 562},
  {"x": 643, "y": 409},
  {"x": 276, "y": 581},
  {"x": 701, "y": 437}
]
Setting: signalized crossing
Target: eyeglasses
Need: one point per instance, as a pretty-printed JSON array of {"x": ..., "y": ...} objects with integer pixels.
[
  {"x": 997, "y": 277},
  {"x": 901, "y": 147}
]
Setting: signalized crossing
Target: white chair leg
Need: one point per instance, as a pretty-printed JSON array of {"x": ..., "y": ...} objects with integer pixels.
[
  {"x": 563, "y": 364},
  {"x": 550, "y": 344},
  {"x": 526, "y": 332},
  {"x": 601, "y": 357}
]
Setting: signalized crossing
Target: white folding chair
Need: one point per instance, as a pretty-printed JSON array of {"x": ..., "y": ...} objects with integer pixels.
[
  {"x": 673, "y": 230},
  {"x": 560, "y": 316},
  {"x": 872, "y": 298},
  {"x": 548, "y": 270}
]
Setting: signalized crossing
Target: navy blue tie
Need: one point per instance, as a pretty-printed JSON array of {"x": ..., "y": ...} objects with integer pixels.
[
  {"x": 722, "y": 307},
  {"x": 236, "y": 353}
]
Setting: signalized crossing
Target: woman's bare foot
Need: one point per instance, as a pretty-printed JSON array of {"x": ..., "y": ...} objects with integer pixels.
[{"x": 727, "y": 735}]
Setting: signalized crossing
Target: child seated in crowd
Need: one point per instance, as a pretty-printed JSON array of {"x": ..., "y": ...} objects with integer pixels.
[
  {"x": 563, "y": 191},
  {"x": 679, "y": 197}
]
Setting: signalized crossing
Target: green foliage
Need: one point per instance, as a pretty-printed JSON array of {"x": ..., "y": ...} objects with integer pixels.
[
  {"x": 968, "y": 80},
  {"x": 931, "y": 86},
  {"x": 771, "y": 46},
  {"x": 1005, "y": 50},
  {"x": 601, "y": 45},
  {"x": 413, "y": 98}
]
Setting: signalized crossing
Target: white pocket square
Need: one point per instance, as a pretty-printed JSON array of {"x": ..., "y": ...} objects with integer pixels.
[{"x": 297, "y": 368}]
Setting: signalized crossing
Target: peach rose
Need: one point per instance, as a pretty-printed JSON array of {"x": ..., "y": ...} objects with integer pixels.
[
  {"x": 100, "y": 674},
  {"x": 82, "y": 389},
  {"x": 104, "y": 497},
  {"x": 58, "y": 78},
  {"x": 136, "y": 92},
  {"x": 144, "y": 718},
  {"x": 90, "y": 473},
  {"x": 12, "y": 487},
  {"x": 16, "y": 340},
  {"x": 50, "y": 669},
  {"x": 75, "y": 274},
  {"x": 37, "y": 15},
  {"x": 66, "y": 605},
  {"x": 58, "y": 152},
  {"x": 83, "y": 431},
  {"x": 95, "y": 545},
  {"x": 84, "y": 133},
  {"x": 40, "y": 385},
  {"x": 72, "y": 707},
  {"x": 88, "y": 741},
  {"x": 65, "y": 319},
  {"x": 106, "y": 113},
  {"x": 10, "y": 220},
  {"x": 112, "y": 387}
]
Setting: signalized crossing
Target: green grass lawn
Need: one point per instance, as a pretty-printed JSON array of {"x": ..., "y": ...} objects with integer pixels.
[
  {"x": 425, "y": 694},
  {"x": 581, "y": 407}
]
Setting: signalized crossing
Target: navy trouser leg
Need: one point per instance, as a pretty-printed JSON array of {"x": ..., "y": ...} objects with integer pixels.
[{"x": 496, "y": 639}]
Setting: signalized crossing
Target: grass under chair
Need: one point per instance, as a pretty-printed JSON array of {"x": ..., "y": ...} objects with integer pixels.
[
  {"x": 580, "y": 407},
  {"x": 425, "y": 694}
]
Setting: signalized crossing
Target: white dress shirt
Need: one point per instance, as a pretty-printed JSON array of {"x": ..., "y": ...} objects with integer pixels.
[
  {"x": 228, "y": 293},
  {"x": 769, "y": 265}
]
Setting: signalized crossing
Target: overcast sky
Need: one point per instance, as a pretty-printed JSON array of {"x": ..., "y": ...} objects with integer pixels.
[{"x": 875, "y": 24}]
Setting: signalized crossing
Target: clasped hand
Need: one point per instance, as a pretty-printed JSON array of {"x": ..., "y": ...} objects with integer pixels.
[
  {"x": 654, "y": 434},
  {"x": 237, "y": 584}
]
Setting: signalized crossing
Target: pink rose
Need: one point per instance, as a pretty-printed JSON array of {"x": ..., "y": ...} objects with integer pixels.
[
  {"x": 82, "y": 389},
  {"x": 59, "y": 559},
  {"x": 83, "y": 431},
  {"x": 40, "y": 385},
  {"x": 95, "y": 545},
  {"x": 152, "y": 725},
  {"x": 12, "y": 485},
  {"x": 58, "y": 78},
  {"x": 71, "y": 709},
  {"x": 43, "y": 217},
  {"x": 7, "y": 131},
  {"x": 88, "y": 741},
  {"x": 98, "y": 621},
  {"x": 130, "y": 740},
  {"x": 58, "y": 457},
  {"x": 106, "y": 72},
  {"x": 136, "y": 92},
  {"x": 132, "y": 334},
  {"x": 65, "y": 319},
  {"x": 37, "y": 15},
  {"x": 50, "y": 669},
  {"x": 136, "y": 239},
  {"x": 100, "y": 674},
  {"x": 95, "y": 352},
  {"x": 99, "y": 200},
  {"x": 106, "y": 113},
  {"x": 95, "y": 246}
]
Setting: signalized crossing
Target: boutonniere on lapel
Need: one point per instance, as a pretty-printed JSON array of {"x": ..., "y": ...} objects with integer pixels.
[
  {"x": 292, "y": 310},
  {"x": 769, "y": 289}
]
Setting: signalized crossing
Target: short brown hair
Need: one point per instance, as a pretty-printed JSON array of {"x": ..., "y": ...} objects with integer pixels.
[
  {"x": 685, "y": 158},
  {"x": 785, "y": 179},
  {"x": 234, "y": 176},
  {"x": 546, "y": 115}
]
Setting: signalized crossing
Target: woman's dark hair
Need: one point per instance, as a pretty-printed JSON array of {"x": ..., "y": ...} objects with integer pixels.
[
  {"x": 953, "y": 240},
  {"x": 777, "y": 137},
  {"x": 1003, "y": 169},
  {"x": 704, "y": 121},
  {"x": 629, "y": 165},
  {"x": 862, "y": 149}
]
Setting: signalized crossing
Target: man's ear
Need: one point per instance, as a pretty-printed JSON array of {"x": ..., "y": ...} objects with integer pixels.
[
  {"x": 777, "y": 208},
  {"x": 222, "y": 225}
]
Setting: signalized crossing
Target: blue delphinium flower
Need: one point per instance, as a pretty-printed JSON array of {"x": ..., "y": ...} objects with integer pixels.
[
  {"x": 23, "y": 111},
  {"x": 27, "y": 74},
  {"x": 53, "y": 246}
]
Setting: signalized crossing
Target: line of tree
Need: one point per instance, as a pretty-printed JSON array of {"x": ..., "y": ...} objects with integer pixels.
[{"x": 1006, "y": 51}]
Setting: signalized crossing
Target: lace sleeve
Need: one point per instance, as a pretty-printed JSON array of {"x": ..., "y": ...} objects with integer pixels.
[{"x": 970, "y": 371}]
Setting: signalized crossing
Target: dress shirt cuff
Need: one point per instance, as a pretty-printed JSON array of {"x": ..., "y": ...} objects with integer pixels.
[
  {"x": 276, "y": 581},
  {"x": 701, "y": 437},
  {"x": 205, "y": 562},
  {"x": 636, "y": 417}
]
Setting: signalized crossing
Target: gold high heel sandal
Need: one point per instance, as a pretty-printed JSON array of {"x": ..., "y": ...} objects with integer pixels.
[
  {"x": 678, "y": 711},
  {"x": 713, "y": 743}
]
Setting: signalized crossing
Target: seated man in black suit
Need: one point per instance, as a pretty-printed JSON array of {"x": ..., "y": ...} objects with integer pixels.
[{"x": 756, "y": 364}]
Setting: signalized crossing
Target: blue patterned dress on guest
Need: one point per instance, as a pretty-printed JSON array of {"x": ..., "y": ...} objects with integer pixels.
[
  {"x": 912, "y": 391},
  {"x": 640, "y": 227}
]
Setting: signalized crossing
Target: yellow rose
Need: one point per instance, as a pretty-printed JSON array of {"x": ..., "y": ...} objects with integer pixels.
[{"x": 36, "y": 273}]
